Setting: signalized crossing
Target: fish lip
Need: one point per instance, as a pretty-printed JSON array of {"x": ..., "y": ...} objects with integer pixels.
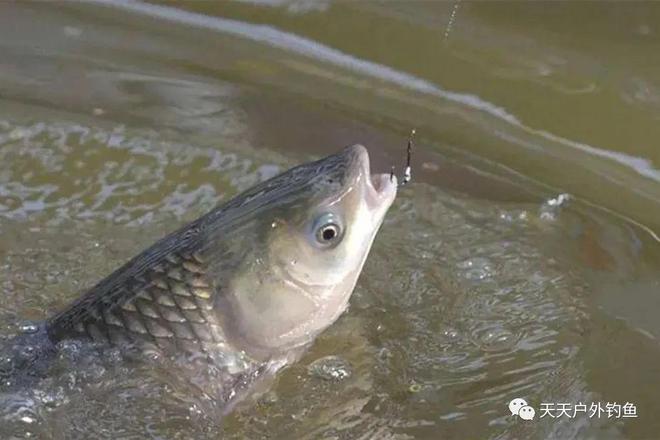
[{"x": 380, "y": 188}]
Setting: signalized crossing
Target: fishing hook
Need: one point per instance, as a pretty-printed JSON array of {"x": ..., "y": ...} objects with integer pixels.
[{"x": 407, "y": 172}]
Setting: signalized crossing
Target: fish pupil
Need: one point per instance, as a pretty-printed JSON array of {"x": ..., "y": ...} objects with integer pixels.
[{"x": 329, "y": 233}]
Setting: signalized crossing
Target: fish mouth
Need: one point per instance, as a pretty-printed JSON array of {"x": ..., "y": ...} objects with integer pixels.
[{"x": 380, "y": 189}]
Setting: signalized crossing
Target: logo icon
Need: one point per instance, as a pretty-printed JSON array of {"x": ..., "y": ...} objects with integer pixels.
[
  {"x": 527, "y": 413},
  {"x": 520, "y": 408}
]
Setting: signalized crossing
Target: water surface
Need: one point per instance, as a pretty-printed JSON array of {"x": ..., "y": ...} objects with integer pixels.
[{"x": 120, "y": 123}]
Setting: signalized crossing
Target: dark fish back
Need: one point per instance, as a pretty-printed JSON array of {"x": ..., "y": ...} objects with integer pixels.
[{"x": 162, "y": 298}]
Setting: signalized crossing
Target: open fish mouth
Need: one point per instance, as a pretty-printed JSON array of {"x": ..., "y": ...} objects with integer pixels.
[
  {"x": 382, "y": 183},
  {"x": 380, "y": 189}
]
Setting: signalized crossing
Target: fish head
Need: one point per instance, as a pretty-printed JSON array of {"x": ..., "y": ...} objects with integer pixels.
[{"x": 316, "y": 236}]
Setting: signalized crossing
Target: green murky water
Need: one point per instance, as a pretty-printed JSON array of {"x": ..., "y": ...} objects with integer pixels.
[{"x": 119, "y": 123}]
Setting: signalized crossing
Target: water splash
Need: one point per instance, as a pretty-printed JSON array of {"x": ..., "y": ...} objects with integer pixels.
[{"x": 550, "y": 210}]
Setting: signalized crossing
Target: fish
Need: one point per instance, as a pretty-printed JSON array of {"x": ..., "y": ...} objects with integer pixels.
[{"x": 239, "y": 293}]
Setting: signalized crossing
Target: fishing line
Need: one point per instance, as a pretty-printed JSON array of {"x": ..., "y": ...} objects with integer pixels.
[{"x": 452, "y": 18}]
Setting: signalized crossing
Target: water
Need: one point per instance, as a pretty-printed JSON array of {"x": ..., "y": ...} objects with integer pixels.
[{"x": 521, "y": 261}]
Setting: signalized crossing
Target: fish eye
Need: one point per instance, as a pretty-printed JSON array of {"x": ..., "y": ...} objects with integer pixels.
[{"x": 328, "y": 229}]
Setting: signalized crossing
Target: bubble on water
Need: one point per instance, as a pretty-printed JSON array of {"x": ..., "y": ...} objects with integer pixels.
[
  {"x": 195, "y": 410},
  {"x": 495, "y": 339},
  {"x": 476, "y": 269},
  {"x": 450, "y": 334},
  {"x": 470, "y": 263},
  {"x": 514, "y": 216},
  {"x": 477, "y": 274},
  {"x": 330, "y": 368},
  {"x": 28, "y": 327}
]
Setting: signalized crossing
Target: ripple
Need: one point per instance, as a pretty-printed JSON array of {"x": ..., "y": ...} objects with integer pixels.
[
  {"x": 67, "y": 171},
  {"x": 495, "y": 339},
  {"x": 469, "y": 297},
  {"x": 18, "y": 410}
]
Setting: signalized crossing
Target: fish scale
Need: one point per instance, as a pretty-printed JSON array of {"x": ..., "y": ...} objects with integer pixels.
[{"x": 168, "y": 308}]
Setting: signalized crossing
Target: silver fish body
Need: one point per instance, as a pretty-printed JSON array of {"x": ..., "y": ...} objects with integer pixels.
[{"x": 246, "y": 287}]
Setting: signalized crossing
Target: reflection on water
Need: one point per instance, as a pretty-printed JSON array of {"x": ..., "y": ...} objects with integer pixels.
[{"x": 485, "y": 283}]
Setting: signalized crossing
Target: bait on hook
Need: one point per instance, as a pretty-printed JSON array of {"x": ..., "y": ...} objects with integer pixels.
[{"x": 407, "y": 172}]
